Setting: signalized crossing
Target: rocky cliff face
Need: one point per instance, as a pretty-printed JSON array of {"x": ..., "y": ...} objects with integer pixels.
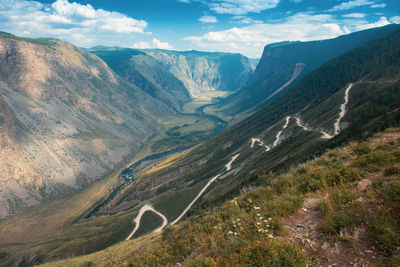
[
  {"x": 203, "y": 72},
  {"x": 65, "y": 120},
  {"x": 177, "y": 77}
]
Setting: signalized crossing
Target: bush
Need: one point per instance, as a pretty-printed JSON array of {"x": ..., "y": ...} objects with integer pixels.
[
  {"x": 391, "y": 171},
  {"x": 266, "y": 253},
  {"x": 340, "y": 211},
  {"x": 362, "y": 149}
]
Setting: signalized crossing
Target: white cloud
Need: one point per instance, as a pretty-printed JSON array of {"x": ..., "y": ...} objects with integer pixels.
[
  {"x": 80, "y": 24},
  {"x": 161, "y": 45},
  {"x": 355, "y": 15},
  {"x": 251, "y": 39},
  {"x": 351, "y": 4},
  {"x": 244, "y": 20},
  {"x": 383, "y": 21},
  {"x": 208, "y": 19},
  {"x": 141, "y": 45},
  {"x": 395, "y": 19},
  {"x": 240, "y": 7},
  {"x": 155, "y": 44},
  {"x": 379, "y": 6}
]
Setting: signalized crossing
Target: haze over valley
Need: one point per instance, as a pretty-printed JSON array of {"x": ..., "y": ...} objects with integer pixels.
[{"x": 199, "y": 133}]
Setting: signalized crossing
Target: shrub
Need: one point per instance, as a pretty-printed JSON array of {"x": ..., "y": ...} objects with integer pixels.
[
  {"x": 391, "y": 171},
  {"x": 362, "y": 149},
  {"x": 266, "y": 253}
]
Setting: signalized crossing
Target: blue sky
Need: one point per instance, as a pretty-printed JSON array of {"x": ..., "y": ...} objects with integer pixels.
[{"x": 243, "y": 26}]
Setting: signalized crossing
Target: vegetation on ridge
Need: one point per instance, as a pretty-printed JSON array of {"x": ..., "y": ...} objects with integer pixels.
[{"x": 355, "y": 188}]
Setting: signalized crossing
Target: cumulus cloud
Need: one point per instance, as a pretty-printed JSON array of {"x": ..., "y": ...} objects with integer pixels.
[
  {"x": 383, "y": 21},
  {"x": 155, "y": 44},
  {"x": 70, "y": 21},
  {"x": 208, "y": 19},
  {"x": 141, "y": 45},
  {"x": 251, "y": 39},
  {"x": 351, "y": 4},
  {"x": 395, "y": 19}
]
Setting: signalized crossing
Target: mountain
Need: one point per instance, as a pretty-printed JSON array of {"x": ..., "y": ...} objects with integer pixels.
[
  {"x": 325, "y": 211},
  {"x": 284, "y": 64},
  {"x": 348, "y": 98},
  {"x": 66, "y": 120},
  {"x": 177, "y": 77},
  {"x": 145, "y": 72}
]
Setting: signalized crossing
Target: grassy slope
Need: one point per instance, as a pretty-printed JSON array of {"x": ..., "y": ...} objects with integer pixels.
[
  {"x": 196, "y": 167},
  {"x": 252, "y": 229},
  {"x": 192, "y": 170}
]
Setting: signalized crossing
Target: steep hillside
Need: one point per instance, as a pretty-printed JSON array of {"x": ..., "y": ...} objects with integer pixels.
[
  {"x": 66, "y": 120},
  {"x": 176, "y": 77},
  {"x": 140, "y": 69},
  {"x": 348, "y": 98},
  {"x": 338, "y": 209},
  {"x": 284, "y": 64}
]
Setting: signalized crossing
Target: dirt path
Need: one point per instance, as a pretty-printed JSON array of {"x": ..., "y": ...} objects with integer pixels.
[
  {"x": 145, "y": 208},
  {"x": 148, "y": 207},
  {"x": 228, "y": 167},
  {"x": 260, "y": 142},
  {"x": 278, "y": 135},
  {"x": 299, "y": 123},
  {"x": 342, "y": 109}
]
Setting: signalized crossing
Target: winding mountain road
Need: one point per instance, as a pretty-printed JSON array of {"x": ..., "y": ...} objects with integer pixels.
[
  {"x": 148, "y": 207},
  {"x": 228, "y": 166},
  {"x": 342, "y": 109},
  {"x": 145, "y": 208},
  {"x": 299, "y": 123}
]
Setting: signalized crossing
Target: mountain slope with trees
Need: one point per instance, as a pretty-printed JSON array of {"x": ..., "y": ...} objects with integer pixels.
[
  {"x": 292, "y": 125},
  {"x": 285, "y": 64}
]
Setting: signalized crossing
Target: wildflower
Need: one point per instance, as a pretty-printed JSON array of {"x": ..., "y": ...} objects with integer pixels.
[
  {"x": 256, "y": 207},
  {"x": 239, "y": 223},
  {"x": 230, "y": 232},
  {"x": 236, "y": 204},
  {"x": 258, "y": 223},
  {"x": 235, "y": 233},
  {"x": 269, "y": 219},
  {"x": 258, "y": 214},
  {"x": 237, "y": 219},
  {"x": 260, "y": 230},
  {"x": 270, "y": 236},
  {"x": 251, "y": 201}
]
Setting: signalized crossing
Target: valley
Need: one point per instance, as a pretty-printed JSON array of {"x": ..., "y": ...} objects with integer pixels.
[{"x": 211, "y": 145}]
